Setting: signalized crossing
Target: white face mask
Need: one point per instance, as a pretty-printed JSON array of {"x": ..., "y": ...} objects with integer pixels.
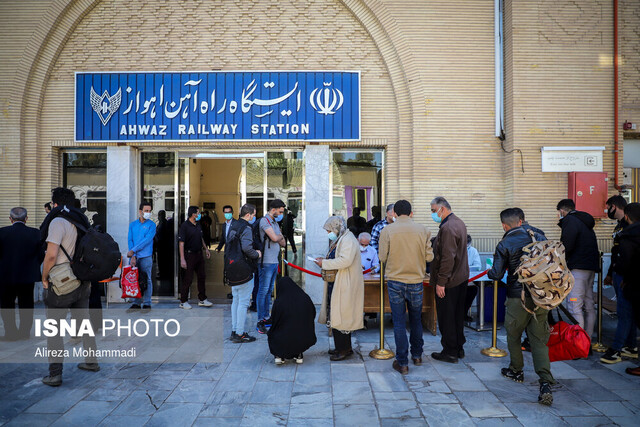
[
  {"x": 395, "y": 218},
  {"x": 146, "y": 215},
  {"x": 363, "y": 248}
]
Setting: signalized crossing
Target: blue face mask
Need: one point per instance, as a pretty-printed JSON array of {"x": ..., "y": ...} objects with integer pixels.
[
  {"x": 435, "y": 217},
  {"x": 228, "y": 216},
  {"x": 279, "y": 218},
  {"x": 198, "y": 217},
  {"x": 252, "y": 220},
  {"x": 332, "y": 236}
]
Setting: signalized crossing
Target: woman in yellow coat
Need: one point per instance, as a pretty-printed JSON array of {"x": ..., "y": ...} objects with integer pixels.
[{"x": 343, "y": 302}]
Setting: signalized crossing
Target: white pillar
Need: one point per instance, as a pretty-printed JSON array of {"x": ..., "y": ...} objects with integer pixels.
[
  {"x": 317, "y": 164},
  {"x": 122, "y": 197}
]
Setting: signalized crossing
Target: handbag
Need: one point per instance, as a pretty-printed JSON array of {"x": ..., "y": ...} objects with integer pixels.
[
  {"x": 329, "y": 275},
  {"x": 566, "y": 341},
  {"x": 63, "y": 281},
  {"x": 129, "y": 282}
]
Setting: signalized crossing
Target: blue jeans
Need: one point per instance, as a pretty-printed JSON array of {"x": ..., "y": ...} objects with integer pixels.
[
  {"x": 144, "y": 265},
  {"x": 268, "y": 273},
  {"x": 241, "y": 300},
  {"x": 403, "y": 297},
  {"x": 626, "y": 331}
]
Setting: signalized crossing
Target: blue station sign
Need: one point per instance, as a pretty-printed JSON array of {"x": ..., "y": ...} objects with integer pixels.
[{"x": 218, "y": 106}]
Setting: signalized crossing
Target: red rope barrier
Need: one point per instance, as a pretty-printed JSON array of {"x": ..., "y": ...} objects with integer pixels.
[
  {"x": 478, "y": 276},
  {"x": 304, "y": 270}
]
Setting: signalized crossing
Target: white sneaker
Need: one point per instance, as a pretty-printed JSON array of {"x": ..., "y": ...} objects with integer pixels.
[
  {"x": 185, "y": 305},
  {"x": 279, "y": 361},
  {"x": 205, "y": 303},
  {"x": 299, "y": 359}
]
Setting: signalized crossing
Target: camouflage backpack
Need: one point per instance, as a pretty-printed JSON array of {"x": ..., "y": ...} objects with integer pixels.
[{"x": 543, "y": 271}]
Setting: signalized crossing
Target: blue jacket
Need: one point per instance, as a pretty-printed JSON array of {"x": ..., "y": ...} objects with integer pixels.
[{"x": 141, "y": 236}]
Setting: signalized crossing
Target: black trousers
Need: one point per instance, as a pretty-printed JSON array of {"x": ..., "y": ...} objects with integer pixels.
[
  {"x": 195, "y": 263},
  {"x": 8, "y": 294},
  {"x": 472, "y": 291},
  {"x": 341, "y": 341},
  {"x": 57, "y": 308},
  {"x": 451, "y": 312}
]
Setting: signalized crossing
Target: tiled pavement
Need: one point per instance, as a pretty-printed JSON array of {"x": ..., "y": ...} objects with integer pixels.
[{"x": 248, "y": 389}]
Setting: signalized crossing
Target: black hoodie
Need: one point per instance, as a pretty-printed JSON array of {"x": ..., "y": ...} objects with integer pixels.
[{"x": 580, "y": 241}]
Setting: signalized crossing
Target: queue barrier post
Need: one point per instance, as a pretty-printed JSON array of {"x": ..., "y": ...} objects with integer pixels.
[
  {"x": 598, "y": 346},
  {"x": 381, "y": 353},
  {"x": 494, "y": 351}
]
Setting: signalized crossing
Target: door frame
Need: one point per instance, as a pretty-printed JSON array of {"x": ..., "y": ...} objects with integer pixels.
[{"x": 208, "y": 154}]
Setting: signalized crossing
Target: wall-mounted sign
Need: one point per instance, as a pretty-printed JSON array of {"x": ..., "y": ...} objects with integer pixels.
[
  {"x": 214, "y": 106},
  {"x": 572, "y": 159}
]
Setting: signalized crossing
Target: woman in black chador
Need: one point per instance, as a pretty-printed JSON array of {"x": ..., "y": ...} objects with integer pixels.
[{"x": 292, "y": 322}]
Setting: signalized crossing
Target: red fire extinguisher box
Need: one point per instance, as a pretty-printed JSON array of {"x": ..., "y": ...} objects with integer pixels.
[{"x": 589, "y": 191}]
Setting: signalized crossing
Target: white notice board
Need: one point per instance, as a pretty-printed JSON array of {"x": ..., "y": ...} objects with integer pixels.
[{"x": 572, "y": 159}]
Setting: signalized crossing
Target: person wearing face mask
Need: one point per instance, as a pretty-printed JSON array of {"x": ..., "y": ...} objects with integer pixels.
[
  {"x": 625, "y": 340},
  {"x": 191, "y": 244},
  {"x": 377, "y": 229},
  {"x": 140, "y": 238},
  {"x": 343, "y": 299},
  {"x": 405, "y": 247},
  {"x": 228, "y": 221},
  {"x": 272, "y": 240},
  {"x": 449, "y": 276},
  {"x": 368, "y": 255},
  {"x": 507, "y": 259},
  {"x": 583, "y": 259}
]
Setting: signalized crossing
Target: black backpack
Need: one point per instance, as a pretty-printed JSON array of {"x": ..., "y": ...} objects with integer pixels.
[
  {"x": 237, "y": 269},
  {"x": 97, "y": 255}
]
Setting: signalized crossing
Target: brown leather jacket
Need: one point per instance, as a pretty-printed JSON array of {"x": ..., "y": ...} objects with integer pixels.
[{"x": 450, "y": 267}]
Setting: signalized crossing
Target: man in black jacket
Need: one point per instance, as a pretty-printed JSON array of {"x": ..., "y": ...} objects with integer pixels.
[
  {"x": 625, "y": 341},
  {"x": 627, "y": 261},
  {"x": 241, "y": 229},
  {"x": 517, "y": 319},
  {"x": 20, "y": 256},
  {"x": 583, "y": 259}
]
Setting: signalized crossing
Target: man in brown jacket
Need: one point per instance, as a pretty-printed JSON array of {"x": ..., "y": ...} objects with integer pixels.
[
  {"x": 449, "y": 275},
  {"x": 405, "y": 247}
]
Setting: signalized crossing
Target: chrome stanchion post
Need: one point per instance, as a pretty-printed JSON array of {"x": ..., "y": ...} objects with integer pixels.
[
  {"x": 598, "y": 346},
  {"x": 381, "y": 353},
  {"x": 494, "y": 351}
]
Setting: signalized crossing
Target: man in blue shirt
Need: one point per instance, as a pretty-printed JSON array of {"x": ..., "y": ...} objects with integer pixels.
[
  {"x": 141, "y": 234},
  {"x": 368, "y": 255}
]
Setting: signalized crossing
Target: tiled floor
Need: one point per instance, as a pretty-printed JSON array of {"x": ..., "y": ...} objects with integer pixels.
[{"x": 248, "y": 389}]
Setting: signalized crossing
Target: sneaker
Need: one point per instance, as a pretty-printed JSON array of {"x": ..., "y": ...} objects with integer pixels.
[
  {"x": 205, "y": 303},
  {"x": 611, "y": 356},
  {"x": 53, "y": 381},
  {"x": 545, "y": 397},
  {"x": 267, "y": 322},
  {"x": 515, "y": 376},
  {"x": 93, "y": 367},
  {"x": 279, "y": 361},
  {"x": 261, "y": 328},
  {"x": 245, "y": 337},
  {"x": 233, "y": 337},
  {"x": 299, "y": 359},
  {"x": 145, "y": 309},
  {"x": 629, "y": 352},
  {"x": 134, "y": 307},
  {"x": 525, "y": 345},
  {"x": 185, "y": 305}
]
